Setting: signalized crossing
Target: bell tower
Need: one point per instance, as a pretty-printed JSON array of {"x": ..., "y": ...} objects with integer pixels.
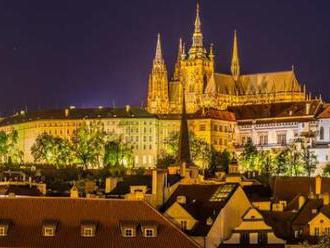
[
  {"x": 158, "y": 99},
  {"x": 196, "y": 67}
]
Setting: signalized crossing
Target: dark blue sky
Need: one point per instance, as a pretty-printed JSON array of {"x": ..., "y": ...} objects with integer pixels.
[{"x": 90, "y": 53}]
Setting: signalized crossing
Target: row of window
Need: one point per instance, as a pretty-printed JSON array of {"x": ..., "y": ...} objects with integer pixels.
[
  {"x": 263, "y": 139},
  {"x": 221, "y": 128},
  {"x": 145, "y": 159},
  {"x": 216, "y": 128},
  {"x": 220, "y": 142},
  {"x": 87, "y": 230}
]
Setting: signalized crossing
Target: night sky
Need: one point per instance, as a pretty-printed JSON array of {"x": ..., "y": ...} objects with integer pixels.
[{"x": 89, "y": 53}]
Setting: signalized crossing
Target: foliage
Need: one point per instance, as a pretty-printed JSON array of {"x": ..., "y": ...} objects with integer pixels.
[
  {"x": 118, "y": 153},
  {"x": 88, "y": 143},
  {"x": 249, "y": 156},
  {"x": 309, "y": 160},
  {"x": 199, "y": 149},
  {"x": 326, "y": 170},
  {"x": 165, "y": 161},
  {"x": 324, "y": 242},
  {"x": 9, "y": 151},
  {"x": 220, "y": 160},
  {"x": 52, "y": 150}
]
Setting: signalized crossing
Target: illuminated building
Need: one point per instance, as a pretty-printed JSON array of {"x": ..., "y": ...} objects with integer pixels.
[
  {"x": 146, "y": 132},
  {"x": 195, "y": 71}
]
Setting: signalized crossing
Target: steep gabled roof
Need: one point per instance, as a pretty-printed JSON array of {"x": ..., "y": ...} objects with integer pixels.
[
  {"x": 252, "y": 84},
  {"x": 199, "y": 203},
  {"x": 285, "y": 110},
  {"x": 27, "y": 214},
  {"x": 287, "y": 188}
]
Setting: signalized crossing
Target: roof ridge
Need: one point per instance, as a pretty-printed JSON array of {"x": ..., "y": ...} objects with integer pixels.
[{"x": 170, "y": 223}]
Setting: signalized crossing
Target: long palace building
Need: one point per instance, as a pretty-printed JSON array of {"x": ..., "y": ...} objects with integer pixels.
[{"x": 223, "y": 109}]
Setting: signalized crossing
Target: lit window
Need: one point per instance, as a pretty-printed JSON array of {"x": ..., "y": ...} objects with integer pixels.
[
  {"x": 322, "y": 133},
  {"x": 88, "y": 229},
  {"x": 88, "y": 232},
  {"x": 327, "y": 231},
  {"x": 148, "y": 232},
  {"x": 317, "y": 231},
  {"x": 49, "y": 231},
  {"x": 183, "y": 224},
  {"x": 129, "y": 232},
  {"x": 202, "y": 127},
  {"x": 3, "y": 231}
]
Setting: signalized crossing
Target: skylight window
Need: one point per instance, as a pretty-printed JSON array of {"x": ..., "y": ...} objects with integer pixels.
[{"x": 222, "y": 192}]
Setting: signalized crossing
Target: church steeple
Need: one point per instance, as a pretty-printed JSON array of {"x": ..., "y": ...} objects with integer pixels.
[
  {"x": 235, "y": 67},
  {"x": 158, "y": 99},
  {"x": 158, "y": 54},
  {"x": 184, "y": 146},
  {"x": 177, "y": 69},
  {"x": 197, "y": 48}
]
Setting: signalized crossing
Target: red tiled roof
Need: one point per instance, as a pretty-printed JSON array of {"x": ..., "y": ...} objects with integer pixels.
[
  {"x": 284, "y": 110},
  {"x": 287, "y": 188},
  {"x": 325, "y": 112},
  {"x": 27, "y": 214}
]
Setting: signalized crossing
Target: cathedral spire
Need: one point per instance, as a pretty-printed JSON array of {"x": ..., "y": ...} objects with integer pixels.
[
  {"x": 184, "y": 147},
  {"x": 159, "y": 54},
  {"x": 235, "y": 67},
  {"x": 197, "y": 48},
  {"x": 180, "y": 49},
  {"x": 177, "y": 68},
  {"x": 197, "y": 20}
]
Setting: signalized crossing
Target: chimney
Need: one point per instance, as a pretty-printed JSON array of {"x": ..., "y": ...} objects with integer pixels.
[
  {"x": 183, "y": 169},
  {"x": 318, "y": 185},
  {"x": 74, "y": 192},
  {"x": 301, "y": 201},
  {"x": 154, "y": 181},
  {"x": 308, "y": 108},
  {"x": 110, "y": 184},
  {"x": 326, "y": 199}
]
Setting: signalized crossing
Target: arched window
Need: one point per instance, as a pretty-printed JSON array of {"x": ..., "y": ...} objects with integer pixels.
[{"x": 322, "y": 133}]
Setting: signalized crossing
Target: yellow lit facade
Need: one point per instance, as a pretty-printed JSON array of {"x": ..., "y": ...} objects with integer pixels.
[
  {"x": 194, "y": 71},
  {"x": 145, "y": 132}
]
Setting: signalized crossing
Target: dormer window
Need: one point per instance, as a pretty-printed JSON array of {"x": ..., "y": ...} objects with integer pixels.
[
  {"x": 88, "y": 229},
  {"x": 4, "y": 226},
  {"x": 49, "y": 228},
  {"x": 128, "y": 228},
  {"x": 149, "y": 229},
  {"x": 129, "y": 232}
]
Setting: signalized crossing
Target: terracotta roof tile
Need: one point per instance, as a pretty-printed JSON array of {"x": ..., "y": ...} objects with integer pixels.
[{"x": 27, "y": 215}]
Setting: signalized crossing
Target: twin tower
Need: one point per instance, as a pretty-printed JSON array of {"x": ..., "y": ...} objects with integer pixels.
[{"x": 195, "y": 76}]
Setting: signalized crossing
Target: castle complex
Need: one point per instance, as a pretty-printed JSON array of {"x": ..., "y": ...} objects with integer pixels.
[
  {"x": 224, "y": 110},
  {"x": 195, "y": 71}
]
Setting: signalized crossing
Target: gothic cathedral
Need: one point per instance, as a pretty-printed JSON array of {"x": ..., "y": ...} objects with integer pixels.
[{"x": 194, "y": 74}]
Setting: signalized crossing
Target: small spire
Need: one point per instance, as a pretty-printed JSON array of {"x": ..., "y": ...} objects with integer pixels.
[
  {"x": 184, "y": 146},
  {"x": 292, "y": 68},
  {"x": 180, "y": 49},
  {"x": 197, "y": 48},
  {"x": 183, "y": 54},
  {"x": 197, "y": 20},
  {"x": 158, "y": 55},
  {"x": 235, "y": 67},
  {"x": 211, "y": 55}
]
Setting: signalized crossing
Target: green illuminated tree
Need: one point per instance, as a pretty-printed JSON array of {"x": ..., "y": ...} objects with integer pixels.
[
  {"x": 249, "y": 157},
  {"x": 9, "y": 150},
  {"x": 119, "y": 153},
  {"x": 200, "y": 150},
  {"x": 52, "y": 150},
  {"x": 88, "y": 142}
]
